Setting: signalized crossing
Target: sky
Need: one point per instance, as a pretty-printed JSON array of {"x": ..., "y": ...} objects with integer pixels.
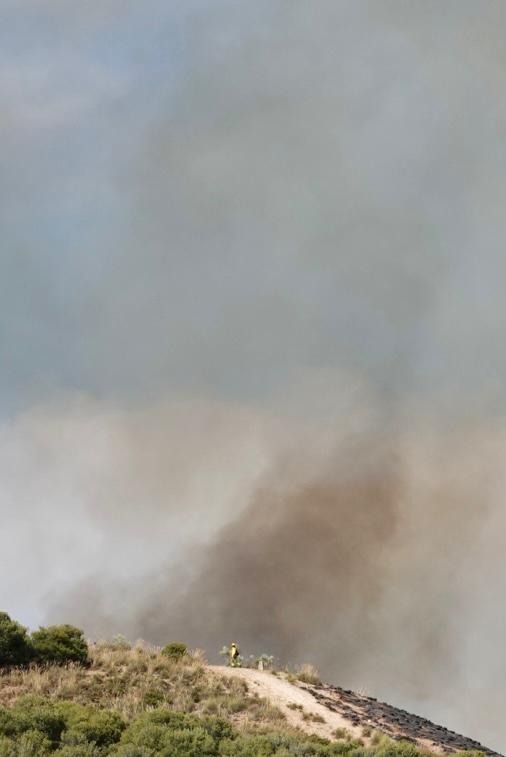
[{"x": 252, "y": 260}]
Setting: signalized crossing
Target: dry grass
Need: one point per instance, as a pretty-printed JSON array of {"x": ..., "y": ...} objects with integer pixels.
[
  {"x": 313, "y": 717},
  {"x": 133, "y": 680},
  {"x": 295, "y": 706},
  {"x": 308, "y": 674},
  {"x": 343, "y": 733}
]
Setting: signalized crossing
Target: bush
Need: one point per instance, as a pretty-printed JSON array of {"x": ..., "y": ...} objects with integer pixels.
[
  {"x": 59, "y": 645},
  {"x": 15, "y": 647},
  {"x": 30, "y": 744},
  {"x": 308, "y": 674},
  {"x": 81, "y": 750},
  {"x": 87, "y": 725},
  {"x": 153, "y": 698},
  {"x": 128, "y": 750},
  {"x": 73, "y": 727},
  {"x": 175, "y": 733},
  {"x": 176, "y": 650},
  {"x": 32, "y": 714},
  {"x": 120, "y": 642},
  {"x": 52, "y": 645}
]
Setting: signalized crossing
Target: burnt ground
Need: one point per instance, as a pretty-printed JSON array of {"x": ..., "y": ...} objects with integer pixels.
[{"x": 398, "y": 724}]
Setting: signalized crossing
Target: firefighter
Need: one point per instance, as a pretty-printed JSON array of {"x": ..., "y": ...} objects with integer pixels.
[{"x": 233, "y": 655}]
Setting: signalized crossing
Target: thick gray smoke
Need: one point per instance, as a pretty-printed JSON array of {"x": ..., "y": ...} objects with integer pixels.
[{"x": 252, "y": 332}]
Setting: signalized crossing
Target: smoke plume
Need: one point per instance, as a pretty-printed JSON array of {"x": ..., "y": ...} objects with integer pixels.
[{"x": 372, "y": 551}]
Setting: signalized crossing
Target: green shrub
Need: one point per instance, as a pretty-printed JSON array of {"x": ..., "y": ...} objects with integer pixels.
[
  {"x": 176, "y": 650},
  {"x": 129, "y": 750},
  {"x": 175, "y": 733},
  {"x": 59, "y": 645},
  {"x": 153, "y": 698},
  {"x": 87, "y": 725},
  {"x": 6, "y": 747},
  {"x": 72, "y": 727},
  {"x": 32, "y": 744},
  {"x": 15, "y": 647},
  {"x": 275, "y": 745},
  {"x": 390, "y": 748},
  {"x": 342, "y": 733},
  {"x": 7, "y": 722},
  {"x": 79, "y": 750},
  {"x": 32, "y": 714}
]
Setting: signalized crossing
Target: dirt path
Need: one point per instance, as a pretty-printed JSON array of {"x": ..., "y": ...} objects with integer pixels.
[{"x": 282, "y": 693}]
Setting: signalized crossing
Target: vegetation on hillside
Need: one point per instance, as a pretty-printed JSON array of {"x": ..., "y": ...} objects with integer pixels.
[
  {"x": 142, "y": 702},
  {"x": 35, "y": 726},
  {"x": 53, "y": 644},
  {"x": 131, "y": 681}
]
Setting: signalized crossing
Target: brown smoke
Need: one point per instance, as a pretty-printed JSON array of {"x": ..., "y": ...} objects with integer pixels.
[
  {"x": 299, "y": 563},
  {"x": 366, "y": 565}
]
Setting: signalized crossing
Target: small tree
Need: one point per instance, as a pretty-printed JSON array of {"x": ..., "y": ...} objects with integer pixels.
[
  {"x": 15, "y": 647},
  {"x": 264, "y": 662},
  {"x": 176, "y": 650},
  {"x": 60, "y": 645}
]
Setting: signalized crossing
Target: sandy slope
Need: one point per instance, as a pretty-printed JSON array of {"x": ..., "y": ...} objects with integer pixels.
[
  {"x": 342, "y": 708},
  {"x": 281, "y": 693}
]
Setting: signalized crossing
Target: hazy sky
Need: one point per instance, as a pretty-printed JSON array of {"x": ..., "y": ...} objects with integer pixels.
[
  {"x": 218, "y": 197},
  {"x": 235, "y": 234}
]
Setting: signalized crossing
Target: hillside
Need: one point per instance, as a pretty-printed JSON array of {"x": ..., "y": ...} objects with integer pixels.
[
  {"x": 356, "y": 713},
  {"x": 137, "y": 702}
]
